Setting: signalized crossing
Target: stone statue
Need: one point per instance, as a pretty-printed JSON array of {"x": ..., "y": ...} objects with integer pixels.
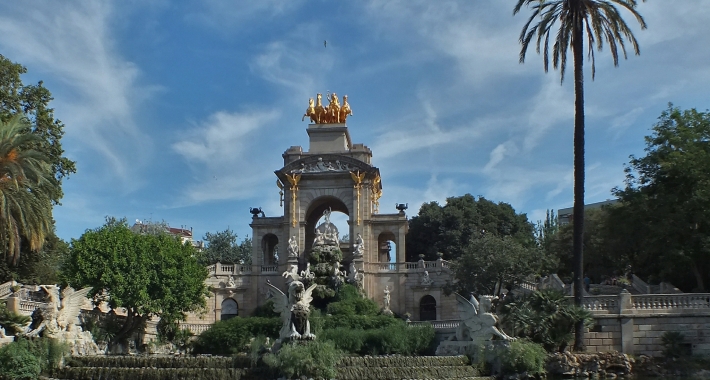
[
  {"x": 230, "y": 282},
  {"x": 359, "y": 246},
  {"x": 355, "y": 278},
  {"x": 310, "y": 111},
  {"x": 387, "y": 297},
  {"x": 307, "y": 274},
  {"x": 3, "y": 334},
  {"x": 294, "y": 309},
  {"x": 292, "y": 247},
  {"x": 291, "y": 274},
  {"x": 59, "y": 320},
  {"x": 426, "y": 280},
  {"x": 477, "y": 320}
]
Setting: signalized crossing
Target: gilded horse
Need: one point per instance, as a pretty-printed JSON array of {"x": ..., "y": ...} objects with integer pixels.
[
  {"x": 310, "y": 111},
  {"x": 319, "y": 110}
]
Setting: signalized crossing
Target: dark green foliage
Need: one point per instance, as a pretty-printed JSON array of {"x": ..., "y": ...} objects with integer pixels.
[
  {"x": 546, "y": 317},
  {"x": 449, "y": 229},
  {"x": 11, "y": 322},
  {"x": 313, "y": 359},
  {"x": 162, "y": 362},
  {"x": 667, "y": 197},
  {"x": 222, "y": 247},
  {"x": 266, "y": 310},
  {"x": 18, "y": 362},
  {"x": 365, "y": 322},
  {"x": 26, "y": 359},
  {"x": 522, "y": 357},
  {"x": 396, "y": 338},
  {"x": 492, "y": 260},
  {"x": 322, "y": 260},
  {"x": 673, "y": 345},
  {"x": 148, "y": 274},
  {"x": 349, "y": 301},
  {"x": 233, "y": 336}
]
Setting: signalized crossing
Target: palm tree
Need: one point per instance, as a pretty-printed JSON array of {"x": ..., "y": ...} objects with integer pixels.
[
  {"x": 25, "y": 182},
  {"x": 599, "y": 20}
]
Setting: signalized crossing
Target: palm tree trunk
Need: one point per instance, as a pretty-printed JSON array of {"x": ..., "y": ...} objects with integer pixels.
[{"x": 578, "y": 207}]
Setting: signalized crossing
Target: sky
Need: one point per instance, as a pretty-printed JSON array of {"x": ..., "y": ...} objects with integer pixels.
[{"x": 180, "y": 111}]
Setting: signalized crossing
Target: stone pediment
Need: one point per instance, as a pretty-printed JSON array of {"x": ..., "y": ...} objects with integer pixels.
[{"x": 327, "y": 163}]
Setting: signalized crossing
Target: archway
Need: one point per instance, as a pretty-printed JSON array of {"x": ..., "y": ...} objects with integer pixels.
[
  {"x": 427, "y": 308},
  {"x": 269, "y": 249},
  {"x": 340, "y": 214},
  {"x": 387, "y": 248},
  {"x": 230, "y": 309}
]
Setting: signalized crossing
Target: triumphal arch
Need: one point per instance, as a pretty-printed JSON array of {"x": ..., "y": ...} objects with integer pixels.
[{"x": 332, "y": 175}]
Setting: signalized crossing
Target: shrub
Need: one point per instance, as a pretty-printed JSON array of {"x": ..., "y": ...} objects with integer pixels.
[
  {"x": 266, "y": 310},
  {"x": 349, "y": 301},
  {"x": 316, "y": 359},
  {"x": 11, "y": 322},
  {"x": 364, "y": 322},
  {"x": 522, "y": 357},
  {"x": 393, "y": 339},
  {"x": 233, "y": 336},
  {"x": 18, "y": 362},
  {"x": 673, "y": 347},
  {"x": 26, "y": 359}
]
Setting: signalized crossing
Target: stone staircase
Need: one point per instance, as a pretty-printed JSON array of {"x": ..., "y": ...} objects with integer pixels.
[{"x": 239, "y": 368}]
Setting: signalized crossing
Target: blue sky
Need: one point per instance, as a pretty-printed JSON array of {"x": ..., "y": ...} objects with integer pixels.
[{"x": 180, "y": 111}]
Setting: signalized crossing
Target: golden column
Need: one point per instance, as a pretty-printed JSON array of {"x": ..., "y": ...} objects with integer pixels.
[
  {"x": 293, "y": 179},
  {"x": 358, "y": 185}
]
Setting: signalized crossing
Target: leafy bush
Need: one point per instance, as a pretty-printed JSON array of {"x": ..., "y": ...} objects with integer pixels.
[
  {"x": 233, "y": 336},
  {"x": 26, "y": 359},
  {"x": 316, "y": 359},
  {"x": 349, "y": 301},
  {"x": 522, "y": 357},
  {"x": 364, "y": 322},
  {"x": 673, "y": 347},
  {"x": 11, "y": 322},
  {"x": 393, "y": 339},
  {"x": 265, "y": 310},
  {"x": 18, "y": 362},
  {"x": 546, "y": 317}
]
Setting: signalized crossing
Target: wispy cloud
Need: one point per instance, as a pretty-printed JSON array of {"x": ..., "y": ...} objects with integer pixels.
[
  {"x": 72, "y": 42},
  {"x": 224, "y": 157}
]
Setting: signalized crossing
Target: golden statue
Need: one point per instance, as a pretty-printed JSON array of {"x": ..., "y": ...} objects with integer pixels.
[
  {"x": 333, "y": 110},
  {"x": 310, "y": 111},
  {"x": 333, "y": 113},
  {"x": 320, "y": 111},
  {"x": 345, "y": 109}
]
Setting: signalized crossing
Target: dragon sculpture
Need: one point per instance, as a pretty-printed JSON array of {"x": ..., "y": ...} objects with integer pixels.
[
  {"x": 477, "y": 320},
  {"x": 61, "y": 313},
  {"x": 294, "y": 308}
]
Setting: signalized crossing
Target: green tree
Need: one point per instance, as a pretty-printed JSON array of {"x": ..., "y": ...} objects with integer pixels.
[
  {"x": 492, "y": 263},
  {"x": 597, "y": 20},
  {"x": 450, "y": 228},
  {"x": 222, "y": 247},
  {"x": 32, "y": 101},
  {"x": 25, "y": 188},
  {"x": 149, "y": 275},
  {"x": 668, "y": 192}
]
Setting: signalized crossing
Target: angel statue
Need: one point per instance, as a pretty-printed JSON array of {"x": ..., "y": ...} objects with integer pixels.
[
  {"x": 61, "y": 314},
  {"x": 291, "y": 274},
  {"x": 477, "y": 321},
  {"x": 294, "y": 309}
]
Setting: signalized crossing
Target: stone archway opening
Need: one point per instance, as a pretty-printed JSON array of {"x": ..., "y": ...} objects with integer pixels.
[
  {"x": 269, "y": 249},
  {"x": 387, "y": 248},
  {"x": 230, "y": 309},
  {"x": 427, "y": 308},
  {"x": 340, "y": 217}
]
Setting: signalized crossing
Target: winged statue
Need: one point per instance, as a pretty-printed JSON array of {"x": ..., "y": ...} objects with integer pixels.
[
  {"x": 294, "y": 309},
  {"x": 293, "y": 179},
  {"x": 61, "y": 313},
  {"x": 477, "y": 321},
  {"x": 358, "y": 177}
]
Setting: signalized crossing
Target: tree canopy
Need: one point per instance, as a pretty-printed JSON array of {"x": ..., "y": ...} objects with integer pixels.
[
  {"x": 223, "y": 247},
  {"x": 32, "y": 102},
  {"x": 667, "y": 196},
  {"x": 449, "y": 229},
  {"x": 148, "y": 274}
]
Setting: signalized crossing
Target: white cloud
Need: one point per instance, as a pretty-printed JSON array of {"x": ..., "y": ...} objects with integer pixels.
[
  {"x": 72, "y": 42},
  {"x": 224, "y": 156}
]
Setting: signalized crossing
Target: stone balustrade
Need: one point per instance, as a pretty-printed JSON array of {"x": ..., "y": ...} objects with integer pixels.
[
  {"x": 6, "y": 289},
  {"x": 410, "y": 266},
  {"x": 269, "y": 269},
  {"x": 195, "y": 328},
  {"x": 438, "y": 325},
  {"x": 228, "y": 269},
  {"x": 26, "y": 307},
  {"x": 639, "y": 304},
  {"x": 601, "y": 304}
]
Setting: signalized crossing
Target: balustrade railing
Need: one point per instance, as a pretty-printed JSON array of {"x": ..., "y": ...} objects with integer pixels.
[
  {"x": 608, "y": 304},
  {"x": 27, "y": 307},
  {"x": 269, "y": 268},
  {"x": 195, "y": 328},
  {"x": 228, "y": 269},
  {"x": 6, "y": 289},
  {"x": 387, "y": 267},
  {"x": 437, "y": 325},
  {"x": 670, "y": 302}
]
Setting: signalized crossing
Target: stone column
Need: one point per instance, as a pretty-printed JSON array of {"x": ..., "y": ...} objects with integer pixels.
[{"x": 626, "y": 322}]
